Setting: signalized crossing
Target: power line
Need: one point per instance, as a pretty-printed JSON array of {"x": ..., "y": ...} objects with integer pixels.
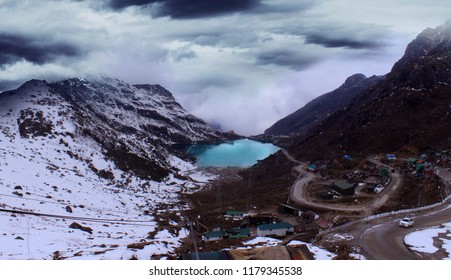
[
  {"x": 76, "y": 218},
  {"x": 65, "y": 204}
]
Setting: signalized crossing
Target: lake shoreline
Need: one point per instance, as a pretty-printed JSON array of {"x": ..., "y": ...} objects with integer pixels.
[{"x": 238, "y": 153}]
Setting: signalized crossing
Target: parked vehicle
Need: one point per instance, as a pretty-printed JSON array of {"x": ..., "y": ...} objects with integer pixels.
[{"x": 406, "y": 222}]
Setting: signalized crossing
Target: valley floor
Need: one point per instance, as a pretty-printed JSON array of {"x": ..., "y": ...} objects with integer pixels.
[{"x": 337, "y": 217}]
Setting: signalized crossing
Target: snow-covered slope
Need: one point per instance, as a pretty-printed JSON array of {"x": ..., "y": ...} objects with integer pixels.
[{"x": 87, "y": 171}]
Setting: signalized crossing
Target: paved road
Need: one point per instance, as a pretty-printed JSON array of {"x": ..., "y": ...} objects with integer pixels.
[{"x": 386, "y": 240}]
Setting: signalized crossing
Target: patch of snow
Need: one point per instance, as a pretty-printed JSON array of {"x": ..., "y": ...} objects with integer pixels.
[
  {"x": 422, "y": 240},
  {"x": 318, "y": 252},
  {"x": 263, "y": 241},
  {"x": 181, "y": 164},
  {"x": 343, "y": 237},
  {"x": 357, "y": 256}
]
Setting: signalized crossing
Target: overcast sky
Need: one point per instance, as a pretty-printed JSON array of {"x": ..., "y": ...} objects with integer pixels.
[{"x": 240, "y": 64}]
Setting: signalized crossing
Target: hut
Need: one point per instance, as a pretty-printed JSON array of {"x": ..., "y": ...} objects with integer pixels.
[
  {"x": 344, "y": 188},
  {"x": 277, "y": 229}
]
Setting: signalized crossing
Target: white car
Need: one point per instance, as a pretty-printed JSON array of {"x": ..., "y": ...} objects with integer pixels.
[{"x": 406, "y": 222}]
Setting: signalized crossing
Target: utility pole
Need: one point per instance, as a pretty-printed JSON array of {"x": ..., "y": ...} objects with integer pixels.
[
  {"x": 218, "y": 195},
  {"x": 193, "y": 236},
  {"x": 249, "y": 181}
]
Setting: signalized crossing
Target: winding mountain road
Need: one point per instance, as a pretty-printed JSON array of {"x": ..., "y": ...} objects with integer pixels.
[
  {"x": 381, "y": 238},
  {"x": 299, "y": 196},
  {"x": 384, "y": 240}
]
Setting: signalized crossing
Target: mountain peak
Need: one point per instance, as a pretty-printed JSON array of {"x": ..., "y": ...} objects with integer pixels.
[
  {"x": 354, "y": 79},
  {"x": 321, "y": 107},
  {"x": 158, "y": 89},
  {"x": 428, "y": 43}
]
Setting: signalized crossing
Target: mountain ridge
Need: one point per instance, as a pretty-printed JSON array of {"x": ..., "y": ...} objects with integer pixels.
[
  {"x": 135, "y": 125},
  {"x": 319, "y": 108},
  {"x": 409, "y": 107}
]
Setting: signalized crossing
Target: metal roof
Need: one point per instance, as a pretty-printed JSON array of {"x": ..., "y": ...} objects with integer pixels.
[
  {"x": 343, "y": 185},
  {"x": 275, "y": 226},
  {"x": 235, "y": 213},
  {"x": 213, "y": 234}
]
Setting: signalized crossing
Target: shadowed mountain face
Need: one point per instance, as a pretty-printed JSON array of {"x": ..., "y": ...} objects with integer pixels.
[
  {"x": 321, "y": 107},
  {"x": 411, "y": 106}
]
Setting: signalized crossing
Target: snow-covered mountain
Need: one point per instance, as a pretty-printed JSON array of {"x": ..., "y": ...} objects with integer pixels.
[{"x": 87, "y": 170}]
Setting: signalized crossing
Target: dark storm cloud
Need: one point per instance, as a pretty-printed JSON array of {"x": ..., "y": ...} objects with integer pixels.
[
  {"x": 16, "y": 47},
  {"x": 121, "y": 4},
  {"x": 286, "y": 58},
  {"x": 348, "y": 36},
  {"x": 341, "y": 42},
  {"x": 190, "y": 9}
]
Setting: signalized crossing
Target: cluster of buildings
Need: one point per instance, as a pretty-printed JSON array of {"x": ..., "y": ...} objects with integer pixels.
[
  {"x": 420, "y": 166},
  {"x": 264, "y": 226}
]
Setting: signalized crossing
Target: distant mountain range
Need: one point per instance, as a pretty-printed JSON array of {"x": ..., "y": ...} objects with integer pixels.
[{"x": 410, "y": 106}]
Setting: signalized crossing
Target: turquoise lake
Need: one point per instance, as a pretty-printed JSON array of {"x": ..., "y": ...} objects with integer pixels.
[{"x": 237, "y": 153}]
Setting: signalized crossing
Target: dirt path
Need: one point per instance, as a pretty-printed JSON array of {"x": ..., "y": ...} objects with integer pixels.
[{"x": 299, "y": 195}]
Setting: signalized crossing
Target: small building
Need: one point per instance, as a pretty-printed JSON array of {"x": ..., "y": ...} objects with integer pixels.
[
  {"x": 424, "y": 157},
  {"x": 312, "y": 168},
  {"x": 412, "y": 161},
  {"x": 213, "y": 235},
  {"x": 390, "y": 156},
  {"x": 288, "y": 209},
  {"x": 236, "y": 233},
  {"x": 277, "y": 229},
  {"x": 344, "y": 188},
  {"x": 233, "y": 233},
  {"x": 234, "y": 214},
  {"x": 384, "y": 172}
]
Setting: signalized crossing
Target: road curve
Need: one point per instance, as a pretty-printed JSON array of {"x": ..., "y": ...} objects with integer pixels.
[
  {"x": 383, "y": 239},
  {"x": 386, "y": 240},
  {"x": 298, "y": 193}
]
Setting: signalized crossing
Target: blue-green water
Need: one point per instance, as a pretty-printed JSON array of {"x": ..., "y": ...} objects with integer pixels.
[{"x": 240, "y": 153}]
